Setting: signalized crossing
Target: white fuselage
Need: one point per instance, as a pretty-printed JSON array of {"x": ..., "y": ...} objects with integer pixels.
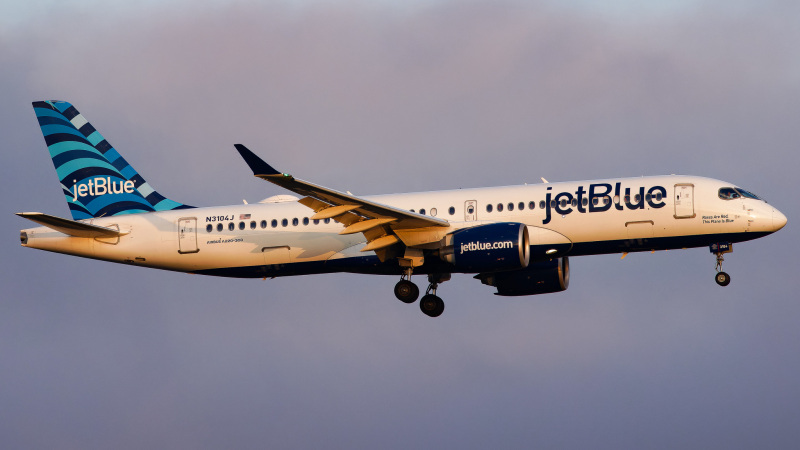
[{"x": 575, "y": 218}]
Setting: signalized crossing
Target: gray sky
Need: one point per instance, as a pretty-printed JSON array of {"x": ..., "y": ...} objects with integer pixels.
[{"x": 646, "y": 352}]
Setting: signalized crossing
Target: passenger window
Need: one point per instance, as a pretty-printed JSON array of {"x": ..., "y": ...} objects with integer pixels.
[
  {"x": 637, "y": 197},
  {"x": 585, "y": 201},
  {"x": 452, "y": 210},
  {"x": 209, "y": 228},
  {"x": 263, "y": 224},
  {"x": 231, "y": 226},
  {"x": 489, "y": 208},
  {"x": 510, "y": 206},
  {"x": 241, "y": 225},
  {"x": 295, "y": 222},
  {"x": 574, "y": 202},
  {"x": 274, "y": 223},
  {"x": 422, "y": 211},
  {"x": 305, "y": 220},
  {"x": 499, "y": 207},
  {"x": 219, "y": 227},
  {"x": 253, "y": 225},
  {"x": 542, "y": 204},
  {"x": 284, "y": 222},
  {"x": 434, "y": 212},
  {"x": 316, "y": 221},
  {"x": 327, "y": 221},
  {"x": 595, "y": 201},
  {"x": 531, "y": 205}
]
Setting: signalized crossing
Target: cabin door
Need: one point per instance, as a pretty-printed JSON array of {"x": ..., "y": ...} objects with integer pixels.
[
  {"x": 684, "y": 201},
  {"x": 187, "y": 235}
]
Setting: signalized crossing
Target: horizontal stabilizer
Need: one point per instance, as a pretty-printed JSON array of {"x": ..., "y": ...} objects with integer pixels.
[{"x": 71, "y": 227}]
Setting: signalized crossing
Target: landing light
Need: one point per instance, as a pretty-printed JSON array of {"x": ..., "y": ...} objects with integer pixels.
[{"x": 551, "y": 251}]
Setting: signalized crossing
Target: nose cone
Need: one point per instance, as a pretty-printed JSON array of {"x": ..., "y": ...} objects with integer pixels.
[{"x": 778, "y": 220}]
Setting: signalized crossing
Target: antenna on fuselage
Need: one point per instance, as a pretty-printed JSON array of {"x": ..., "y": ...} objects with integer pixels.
[{"x": 544, "y": 181}]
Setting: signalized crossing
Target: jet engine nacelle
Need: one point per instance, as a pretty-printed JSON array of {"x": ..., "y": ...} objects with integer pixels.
[
  {"x": 492, "y": 247},
  {"x": 538, "y": 278}
]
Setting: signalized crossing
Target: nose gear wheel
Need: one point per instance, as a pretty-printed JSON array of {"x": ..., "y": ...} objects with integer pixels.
[{"x": 722, "y": 278}]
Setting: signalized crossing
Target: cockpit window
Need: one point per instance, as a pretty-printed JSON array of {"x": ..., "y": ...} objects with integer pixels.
[
  {"x": 747, "y": 194},
  {"x": 728, "y": 193}
]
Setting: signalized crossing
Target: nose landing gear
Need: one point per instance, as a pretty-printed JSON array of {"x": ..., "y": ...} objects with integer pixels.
[{"x": 722, "y": 278}]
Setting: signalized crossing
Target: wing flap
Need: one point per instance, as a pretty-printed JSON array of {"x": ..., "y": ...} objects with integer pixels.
[
  {"x": 333, "y": 211},
  {"x": 381, "y": 242},
  {"x": 365, "y": 225}
]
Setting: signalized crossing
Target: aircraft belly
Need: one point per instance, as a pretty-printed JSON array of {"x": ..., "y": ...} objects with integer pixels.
[{"x": 274, "y": 249}]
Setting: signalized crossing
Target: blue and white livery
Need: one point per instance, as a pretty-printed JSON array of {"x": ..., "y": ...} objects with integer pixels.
[{"x": 517, "y": 239}]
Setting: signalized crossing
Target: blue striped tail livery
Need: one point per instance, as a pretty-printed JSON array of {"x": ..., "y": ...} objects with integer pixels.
[{"x": 95, "y": 178}]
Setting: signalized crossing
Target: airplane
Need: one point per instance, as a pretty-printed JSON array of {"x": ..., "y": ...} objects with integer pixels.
[{"x": 517, "y": 239}]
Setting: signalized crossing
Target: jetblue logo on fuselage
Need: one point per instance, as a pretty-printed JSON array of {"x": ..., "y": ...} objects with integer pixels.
[
  {"x": 598, "y": 198},
  {"x": 101, "y": 186}
]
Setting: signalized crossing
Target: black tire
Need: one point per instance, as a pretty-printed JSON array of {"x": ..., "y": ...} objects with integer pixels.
[
  {"x": 431, "y": 305},
  {"x": 406, "y": 291},
  {"x": 722, "y": 279}
]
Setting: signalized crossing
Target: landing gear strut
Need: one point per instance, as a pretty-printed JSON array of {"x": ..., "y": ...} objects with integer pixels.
[
  {"x": 431, "y": 304},
  {"x": 722, "y": 278},
  {"x": 405, "y": 290}
]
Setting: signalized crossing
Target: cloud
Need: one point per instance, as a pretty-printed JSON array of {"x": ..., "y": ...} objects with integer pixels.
[{"x": 374, "y": 98}]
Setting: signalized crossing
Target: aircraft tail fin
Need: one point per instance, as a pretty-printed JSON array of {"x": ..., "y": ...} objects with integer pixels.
[{"x": 95, "y": 178}]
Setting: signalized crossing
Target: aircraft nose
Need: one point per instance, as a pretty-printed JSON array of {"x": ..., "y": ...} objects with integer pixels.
[{"x": 778, "y": 220}]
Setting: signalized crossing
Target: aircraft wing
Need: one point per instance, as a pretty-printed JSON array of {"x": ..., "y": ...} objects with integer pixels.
[
  {"x": 71, "y": 227},
  {"x": 376, "y": 220}
]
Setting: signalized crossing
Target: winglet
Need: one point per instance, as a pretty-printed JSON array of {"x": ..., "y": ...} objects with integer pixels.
[{"x": 257, "y": 165}]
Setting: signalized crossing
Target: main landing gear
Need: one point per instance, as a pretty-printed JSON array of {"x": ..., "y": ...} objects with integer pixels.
[
  {"x": 405, "y": 290},
  {"x": 722, "y": 278},
  {"x": 430, "y": 304}
]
